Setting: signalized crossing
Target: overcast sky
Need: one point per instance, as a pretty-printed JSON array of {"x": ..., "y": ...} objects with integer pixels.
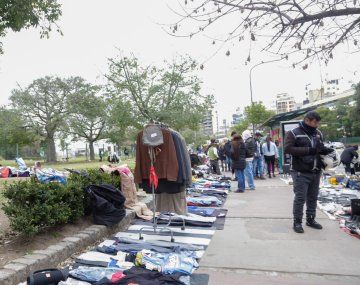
[{"x": 93, "y": 30}]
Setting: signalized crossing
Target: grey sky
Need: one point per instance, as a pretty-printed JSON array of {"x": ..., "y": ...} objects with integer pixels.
[{"x": 93, "y": 29}]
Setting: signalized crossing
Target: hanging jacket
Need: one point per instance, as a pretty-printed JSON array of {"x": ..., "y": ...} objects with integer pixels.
[{"x": 166, "y": 164}]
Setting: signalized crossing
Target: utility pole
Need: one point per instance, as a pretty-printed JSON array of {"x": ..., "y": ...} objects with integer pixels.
[{"x": 250, "y": 78}]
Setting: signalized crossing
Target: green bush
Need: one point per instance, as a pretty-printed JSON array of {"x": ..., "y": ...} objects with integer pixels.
[{"x": 33, "y": 207}]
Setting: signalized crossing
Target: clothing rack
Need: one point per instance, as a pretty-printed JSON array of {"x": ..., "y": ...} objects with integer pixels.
[{"x": 155, "y": 227}]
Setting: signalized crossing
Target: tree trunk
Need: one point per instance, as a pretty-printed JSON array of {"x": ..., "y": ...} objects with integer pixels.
[
  {"x": 50, "y": 150},
  {"x": 92, "y": 152}
]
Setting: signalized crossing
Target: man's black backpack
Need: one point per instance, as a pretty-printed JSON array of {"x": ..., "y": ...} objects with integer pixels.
[{"x": 107, "y": 204}]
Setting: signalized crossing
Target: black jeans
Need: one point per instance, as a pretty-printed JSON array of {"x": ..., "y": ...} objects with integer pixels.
[
  {"x": 270, "y": 162},
  {"x": 348, "y": 168},
  {"x": 215, "y": 167},
  {"x": 306, "y": 189}
]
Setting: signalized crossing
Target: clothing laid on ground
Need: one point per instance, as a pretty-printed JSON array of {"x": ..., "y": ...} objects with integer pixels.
[
  {"x": 203, "y": 201},
  {"x": 128, "y": 188},
  {"x": 95, "y": 274},
  {"x": 183, "y": 262},
  {"x": 141, "y": 276},
  {"x": 165, "y": 244}
]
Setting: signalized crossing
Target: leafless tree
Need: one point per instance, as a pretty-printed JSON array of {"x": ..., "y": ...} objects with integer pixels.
[{"x": 313, "y": 29}]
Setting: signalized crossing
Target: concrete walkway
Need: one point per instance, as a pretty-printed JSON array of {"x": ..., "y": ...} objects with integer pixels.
[{"x": 258, "y": 245}]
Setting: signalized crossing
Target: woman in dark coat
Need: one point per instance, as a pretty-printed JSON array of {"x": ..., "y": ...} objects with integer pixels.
[{"x": 238, "y": 157}]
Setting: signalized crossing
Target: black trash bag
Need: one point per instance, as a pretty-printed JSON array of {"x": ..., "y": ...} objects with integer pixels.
[{"x": 107, "y": 204}]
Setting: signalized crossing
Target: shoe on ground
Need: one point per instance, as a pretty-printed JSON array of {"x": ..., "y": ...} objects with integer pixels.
[
  {"x": 239, "y": 191},
  {"x": 262, "y": 178},
  {"x": 269, "y": 175},
  {"x": 310, "y": 222},
  {"x": 256, "y": 178},
  {"x": 274, "y": 175},
  {"x": 298, "y": 227}
]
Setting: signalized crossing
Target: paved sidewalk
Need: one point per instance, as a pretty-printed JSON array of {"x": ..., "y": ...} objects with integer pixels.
[{"x": 258, "y": 245}]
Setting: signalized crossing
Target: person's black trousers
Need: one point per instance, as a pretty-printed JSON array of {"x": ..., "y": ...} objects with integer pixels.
[
  {"x": 348, "y": 168},
  {"x": 306, "y": 190},
  {"x": 270, "y": 162},
  {"x": 215, "y": 166}
]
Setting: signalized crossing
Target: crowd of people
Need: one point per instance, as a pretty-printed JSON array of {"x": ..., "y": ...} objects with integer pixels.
[{"x": 247, "y": 156}]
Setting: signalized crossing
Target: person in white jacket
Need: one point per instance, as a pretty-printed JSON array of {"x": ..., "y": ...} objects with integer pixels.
[{"x": 270, "y": 152}]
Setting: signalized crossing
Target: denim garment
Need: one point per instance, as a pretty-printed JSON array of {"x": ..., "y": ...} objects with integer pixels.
[{"x": 249, "y": 175}]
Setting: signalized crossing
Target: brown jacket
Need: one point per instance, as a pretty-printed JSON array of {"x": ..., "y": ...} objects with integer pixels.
[{"x": 166, "y": 164}]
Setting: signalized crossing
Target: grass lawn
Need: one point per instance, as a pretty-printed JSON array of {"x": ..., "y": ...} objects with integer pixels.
[{"x": 76, "y": 163}]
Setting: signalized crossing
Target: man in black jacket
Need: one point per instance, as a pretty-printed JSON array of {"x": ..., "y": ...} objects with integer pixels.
[
  {"x": 347, "y": 157},
  {"x": 305, "y": 145}
]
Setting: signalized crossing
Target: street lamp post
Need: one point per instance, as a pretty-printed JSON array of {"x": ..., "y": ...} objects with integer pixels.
[{"x": 250, "y": 78}]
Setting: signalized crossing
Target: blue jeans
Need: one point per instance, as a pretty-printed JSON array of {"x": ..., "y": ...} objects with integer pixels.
[
  {"x": 241, "y": 179},
  {"x": 258, "y": 168},
  {"x": 249, "y": 174},
  {"x": 228, "y": 163}
]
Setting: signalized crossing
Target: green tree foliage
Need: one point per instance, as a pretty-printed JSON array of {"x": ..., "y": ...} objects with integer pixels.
[
  {"x": 330, "y": 123},
  {"x": 170, "y": 94},
  {"x": 122, "y": 124},
  {"x": 13, "y": 131},
  {"x": 257, "y": 114},
  {"x": 242, "y": 126},
  {"x": 16, "y": 15},
  {"x": 355, "y": 112},
  {"x": 194, "y": 137},
  {"x": 87, "y": 113},
  {"x": 43, "y": 105}
]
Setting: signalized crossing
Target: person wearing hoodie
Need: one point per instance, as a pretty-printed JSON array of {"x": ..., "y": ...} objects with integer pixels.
[
  {"x": 250, "y": 150},
  {"x": 238, "y": 157}
]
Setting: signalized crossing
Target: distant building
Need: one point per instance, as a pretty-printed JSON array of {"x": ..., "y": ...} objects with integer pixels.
[
  {"x": 207, "y": 124},
  {"x": 315, "y": 95},
  {"x": 284, "y": 103},
  {"x": 237, "y": 117}
]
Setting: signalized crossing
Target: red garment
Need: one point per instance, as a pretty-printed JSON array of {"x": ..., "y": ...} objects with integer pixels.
[
  {"x": 5, "y": 172},
  {"x": 154, "y": 180},
  {"x": 166, "y": 164},
  {"x": 117, "y": 276}
]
